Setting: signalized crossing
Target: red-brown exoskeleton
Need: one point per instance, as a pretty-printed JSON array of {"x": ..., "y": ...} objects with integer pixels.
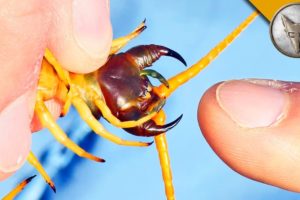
[
  {"x": 127, "y": 90},
  {"x": 119, "y": 91}
]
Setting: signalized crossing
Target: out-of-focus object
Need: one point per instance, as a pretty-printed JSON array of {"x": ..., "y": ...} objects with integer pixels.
[{"x": 285, "y": 30}]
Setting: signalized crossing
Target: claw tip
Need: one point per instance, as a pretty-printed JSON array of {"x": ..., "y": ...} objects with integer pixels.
[
  {"x": 150, "y": 143},
  {"x": 30, "y": 178},
  {"x": 97, "y": 159},
  {"x": 143, "y": 28},
  {"x": 52, "y": 187},
  {"x": 101, "y": 160},
  {"x": 180, "y": 117},
  {"x": 174, "y": 54},
  {"x": 183, "y": 61}
]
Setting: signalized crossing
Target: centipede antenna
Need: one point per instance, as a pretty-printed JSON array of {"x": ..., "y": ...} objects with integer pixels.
[{"x": 191, "y": 72}]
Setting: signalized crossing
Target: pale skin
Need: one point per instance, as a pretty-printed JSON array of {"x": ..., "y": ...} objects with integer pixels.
[
  {"x": 255, "y": 128},
  {"x": 264, "y": 148},
  {"x": 77, "y": 32}
]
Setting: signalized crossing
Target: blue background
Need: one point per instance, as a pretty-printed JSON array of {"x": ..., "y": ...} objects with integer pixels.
[{"x": 192, "y": 28}]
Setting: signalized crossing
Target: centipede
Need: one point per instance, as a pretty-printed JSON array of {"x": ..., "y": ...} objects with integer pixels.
[{"x": 120, "y": 92}]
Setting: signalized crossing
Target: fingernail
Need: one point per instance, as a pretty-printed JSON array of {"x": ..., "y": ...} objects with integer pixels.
[
  {"x": 253, "y": 103},
  {"x": 91, "y": 24},
  {"x": 15, "y": 134}
]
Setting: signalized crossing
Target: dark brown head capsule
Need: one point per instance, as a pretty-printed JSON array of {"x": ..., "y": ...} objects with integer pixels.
[{"x": 128, "y": 91}]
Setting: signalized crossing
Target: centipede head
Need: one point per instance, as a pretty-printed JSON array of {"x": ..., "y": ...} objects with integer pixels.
[{"x": 128, "y": 91}]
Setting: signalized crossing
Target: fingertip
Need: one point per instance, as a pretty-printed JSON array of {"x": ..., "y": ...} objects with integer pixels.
[
  {"x": 206, "y": 108},
  {"x": 81, "y": 39},
  {"x": 15, "y": 134},
  {"x": 4, "y": 176},
  {"x": 23, "y": 32},
  {"x": 261, "y": 147}
]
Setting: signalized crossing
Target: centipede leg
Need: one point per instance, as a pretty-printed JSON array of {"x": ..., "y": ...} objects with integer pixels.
[
  {"x": 188, "y": 74},
  {"x": 61, "y": 72},
  {"x": 48, "y": 122},
  {"x": 106, "y": 112},
  {"x": 67, "y": 106},
  {"x": 86, "y": 114},
  {"x": 119, "y": 43},
  {"x": 164, "y": 158},
  {"x": 32, "y": 159},
  {"x": 12, "y": 194}
]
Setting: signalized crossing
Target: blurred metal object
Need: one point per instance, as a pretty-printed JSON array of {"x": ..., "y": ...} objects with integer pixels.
[{"x": 285, "y": 30}]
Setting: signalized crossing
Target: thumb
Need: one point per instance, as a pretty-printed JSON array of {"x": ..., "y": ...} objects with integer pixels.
[
  {"x": 253, "y": 126},
  {"x": 81, "y": 34},
  {"x": 23, "y": 30}
]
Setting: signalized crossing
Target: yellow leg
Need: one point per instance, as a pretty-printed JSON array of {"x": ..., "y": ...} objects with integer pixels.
[
  {"x": 186, "y": 75},
  {"x": 17, "y": 189},
  {"x": 48, "y": 122},
  {"x": 119, "y": 43},
  {"x": 67, "y": 105},
  {"x": 114, "y": 120},
  {"x": 86, "y": 114},
  {"x": 32, "y": 159},
  {"x": 61, "y": 72},
  {"x": 164, "y": 158}
]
